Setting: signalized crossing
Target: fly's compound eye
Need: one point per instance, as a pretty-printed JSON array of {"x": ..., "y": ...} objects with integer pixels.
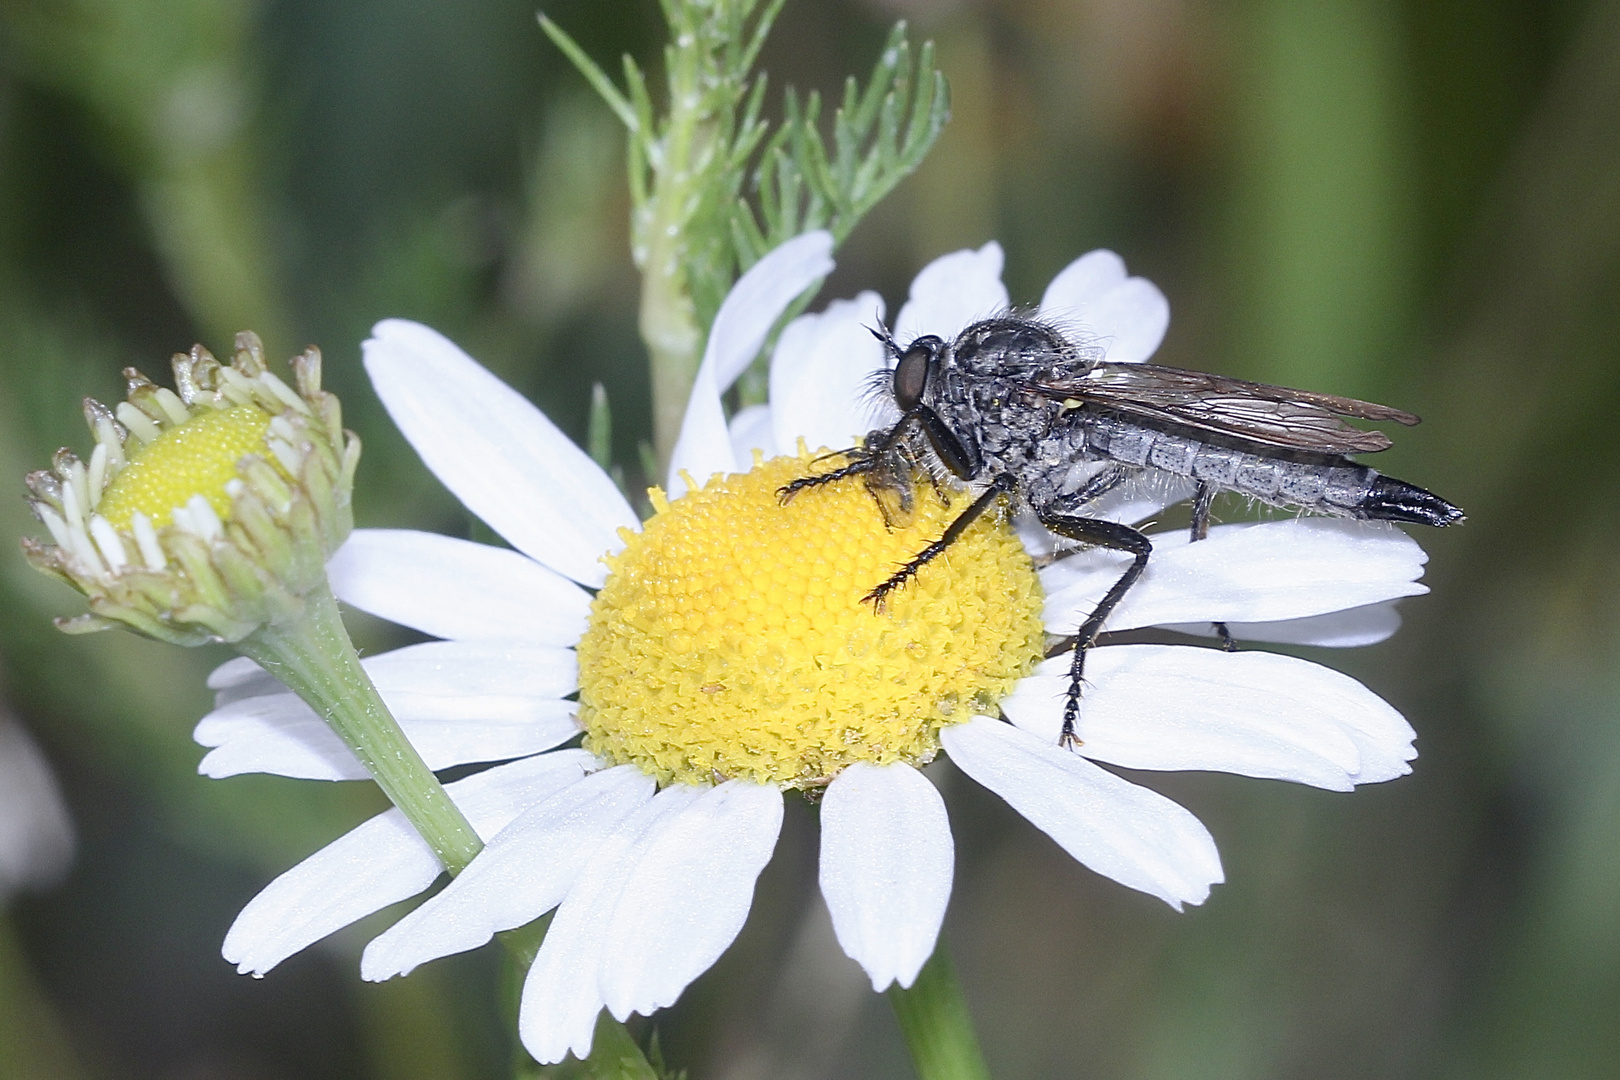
[{"x": 911, "y": 373}]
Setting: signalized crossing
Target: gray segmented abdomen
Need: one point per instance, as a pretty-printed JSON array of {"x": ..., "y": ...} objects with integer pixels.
[{"x": 1322, "y": 487}]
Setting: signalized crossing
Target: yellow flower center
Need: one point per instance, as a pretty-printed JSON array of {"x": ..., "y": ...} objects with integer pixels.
[
  {"x": 732, "y": 639},
  {"x": 197, "y": 457}
]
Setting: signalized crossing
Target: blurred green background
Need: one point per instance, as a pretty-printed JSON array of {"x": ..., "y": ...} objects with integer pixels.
[{"x": 1413, "y": 201}]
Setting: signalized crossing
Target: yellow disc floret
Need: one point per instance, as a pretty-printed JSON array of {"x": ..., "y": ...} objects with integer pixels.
[
  {"x": 732, "y": 638},
  {"x": 197, "y": 457}
]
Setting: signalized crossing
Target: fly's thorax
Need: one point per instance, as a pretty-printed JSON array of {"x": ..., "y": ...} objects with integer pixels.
[
  {"x": 1012, "y": 347},
  {"x": 1000, "y": 418}
]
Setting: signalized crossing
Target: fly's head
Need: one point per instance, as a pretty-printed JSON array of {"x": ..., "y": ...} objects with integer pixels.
[{"x": 918, "y": 370}]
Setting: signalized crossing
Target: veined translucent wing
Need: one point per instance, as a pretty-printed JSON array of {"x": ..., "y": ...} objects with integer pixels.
[{"x": 1275, "y": 415}]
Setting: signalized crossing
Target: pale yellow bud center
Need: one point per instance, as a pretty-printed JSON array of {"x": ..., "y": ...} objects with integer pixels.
[{"x": 197, "y": 457}]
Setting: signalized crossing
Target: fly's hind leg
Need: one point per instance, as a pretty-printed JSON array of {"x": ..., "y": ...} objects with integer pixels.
[
  {"x": 1202, "y": 499},
  {"x": 1116, "y": 537}
]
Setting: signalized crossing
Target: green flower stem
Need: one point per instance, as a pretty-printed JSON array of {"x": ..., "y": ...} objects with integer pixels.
[
  {"x": 934, "y": 1019},
  {"x": 314, "y": 658},
  {"x": 668, "y": 320}
]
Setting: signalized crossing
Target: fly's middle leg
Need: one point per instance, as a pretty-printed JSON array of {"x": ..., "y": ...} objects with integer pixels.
[
  {"x": 1116, "y": 537},
  {"x": 1202, "y": 500}
]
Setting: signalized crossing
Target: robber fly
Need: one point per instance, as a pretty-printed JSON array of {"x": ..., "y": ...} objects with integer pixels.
[{"x": 1014, "y": 407}]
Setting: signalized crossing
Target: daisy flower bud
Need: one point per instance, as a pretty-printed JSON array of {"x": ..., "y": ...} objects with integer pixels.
[{"x": 206, "y": 511}]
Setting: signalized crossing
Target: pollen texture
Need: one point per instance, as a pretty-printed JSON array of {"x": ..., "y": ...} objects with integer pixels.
[
  {"x": 197, "y": 457},
  {"x": 732, "y": 638}
]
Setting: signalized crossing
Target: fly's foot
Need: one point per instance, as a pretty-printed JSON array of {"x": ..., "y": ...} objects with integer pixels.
[
  {"x": 879, "y": 596},
  {"x": 1069, "y": 739},
  {"x": 785, "y": 493}
]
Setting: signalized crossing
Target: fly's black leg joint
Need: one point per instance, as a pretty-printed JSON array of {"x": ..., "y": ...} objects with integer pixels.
[
  {"x": 1000, "y": 486},
  {"x": 1092, "y": 490},
  {"x": 1116, "y": 537},
  {"x": 960, "y": 456},
  {"x": 1202, "y": 499}
]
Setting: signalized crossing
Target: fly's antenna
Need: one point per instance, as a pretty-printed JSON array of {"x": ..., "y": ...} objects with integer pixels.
[{"x": 881, "y": 332}]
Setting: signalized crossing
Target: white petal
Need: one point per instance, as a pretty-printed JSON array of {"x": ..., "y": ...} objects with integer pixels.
[
  {"x": 752, "y": 307},
  {"x": 279, "y": 734},
  {"x": 453, "y": 588},
  {"x": 1091, "y": 275},
  {"x": 1094, "y": 299},
  {"x": 688, "y": 895},
  {"x": 952, "y": 292},
  {"x": 886, "y": 866},
  {"x": 540, "y": 726},
  {"x": 437, "y": 668},
  {"x": 462, "y": 672},
  {"x": 379, "y": 863},
  {"x": 1347, "y": 629},
  {"x": 523, "y": 873},
  {"x": 273, "y": 733},
  {"x": 36, "y": 834},
  {"x": 240, "y": 678},
  {"x": 496, "y": 452},
  {"x": 750, "y": 431},
  {"x": 758, "y": 299},
  {"x": 1123, "y": 831},
  {"x": 821, "y": 375},
  {"x": 1243, "y": 573},
  {"x": 1174, "y": 707},
  {"x": 492, "y": 799},
  {"x": 457, "y": 701},
  {"x": 562, "y": 994},
  {"x": 1134, "y": 502}
]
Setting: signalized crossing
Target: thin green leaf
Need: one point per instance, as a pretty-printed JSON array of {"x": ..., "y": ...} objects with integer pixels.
[
  {"x": 750, "y": 131},
  {"x": 894, "y": 59},
  {"x": 593, "y": 74},
  {"x": 749, "y": 242},
  {"x": 636, "y": 83},
  {"x": 756, "y": 41}
]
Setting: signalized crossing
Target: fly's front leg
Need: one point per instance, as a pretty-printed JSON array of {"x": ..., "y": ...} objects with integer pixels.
[
  {"x": 998, "y": 487},
  {"x": 1116, "y": 537},
  {"x": 1202, "y": 499},
  {"x": 863, "y": 463},
  {"x": 865, "y": 459}
]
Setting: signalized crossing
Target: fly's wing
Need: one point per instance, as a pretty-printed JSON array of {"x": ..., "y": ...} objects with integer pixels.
[{"x": 1275, "y": 415}]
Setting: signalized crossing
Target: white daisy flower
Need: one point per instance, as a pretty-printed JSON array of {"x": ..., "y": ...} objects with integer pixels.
[{"x": 726, "y": 657}]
